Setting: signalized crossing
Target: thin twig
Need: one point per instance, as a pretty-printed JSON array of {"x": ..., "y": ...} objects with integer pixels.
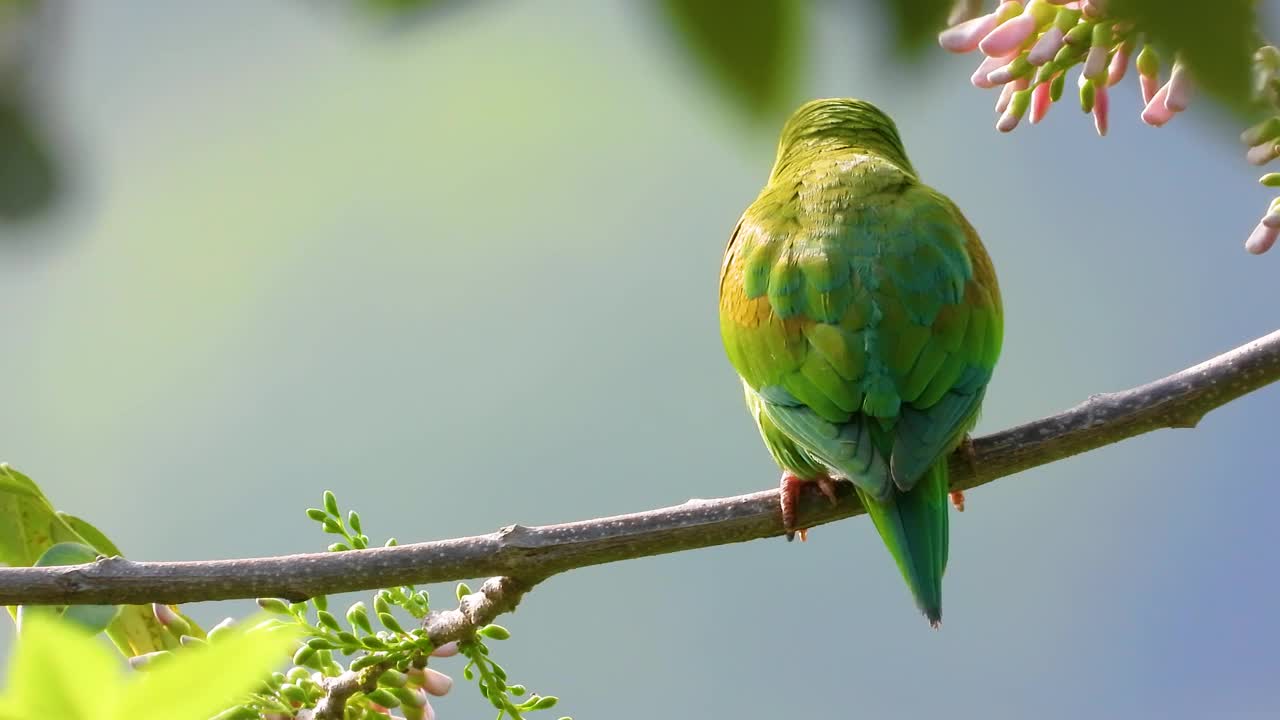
[
  {"x": 497, "y": 596},
  {"x": 534, "y": 553}
]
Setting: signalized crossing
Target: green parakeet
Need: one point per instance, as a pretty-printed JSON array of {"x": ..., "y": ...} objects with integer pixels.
[{"x": 862, "y": 313}]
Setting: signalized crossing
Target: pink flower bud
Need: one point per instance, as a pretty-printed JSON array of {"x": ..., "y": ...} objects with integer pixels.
[
  {"x": 1040, "y": 102},
  {"x": 1156, "y": 113},
  {"x": 1263, "y": 154},
  {"x": 1179, "y": 95},
  {"x": 1119, "y": 65},
  {"x": 1009, "y": 36},
  {"x": 965, "y": 37},
  {"x": 1046, "y": 47},
  {"x": 1261, "y": 239},
  {"x": 988, "y": 66},
  {"x": 1101, "y": 106},
  {"x": 1150, "y": 86},
  {"x": 1095, "y": 63}
]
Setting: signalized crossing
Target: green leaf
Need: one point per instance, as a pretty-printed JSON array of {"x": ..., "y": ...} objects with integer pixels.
[
  {"x": 29, "y": 525},
  {"x": 330, "y": 503},
  {"x": 917, "y": 22},
  {"x": 748, "y": 49},
  {"x": 60, "y": 671},
  {"x": 1216, "y": 40},
  {"x": 240, "y": 661}
]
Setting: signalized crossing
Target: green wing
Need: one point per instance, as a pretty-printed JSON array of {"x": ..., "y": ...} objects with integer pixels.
[{"x": 870, "y": 327}]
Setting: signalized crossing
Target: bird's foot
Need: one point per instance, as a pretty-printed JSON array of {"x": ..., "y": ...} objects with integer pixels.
[
  {"x": 789, "y": 494},
  {"x": 970, "y": 454}
]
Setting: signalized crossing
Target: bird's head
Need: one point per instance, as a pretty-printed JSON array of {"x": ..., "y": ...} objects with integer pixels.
[{"x": 843, "y": 122}]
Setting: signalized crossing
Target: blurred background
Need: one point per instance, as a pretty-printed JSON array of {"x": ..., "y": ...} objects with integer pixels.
[{"x": 464, "y": 274}]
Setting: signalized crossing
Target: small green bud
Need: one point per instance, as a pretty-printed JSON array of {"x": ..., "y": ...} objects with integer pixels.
[
  {"x": 393, "y": 678},
  {"x": 327, "y": 619},
  {"x": 330, "y": 503},
  {"x": 1102, "y": 36},
  {"x": 373, "y": 642},
  {"x": 499, "y": 670},
  {"x": 1270, "y": 180},
  {"x": 1080, "y": 35},
  {"x": 305, "y": 655},
  {"x": 1066, "y": 19},
  {"x": 369, "y": 660},
  {"x": 275, "y": 606},
  {"x": 321, "y": 602},
  {"x": 409, "y": 697},
  {"x": 389, "y": 622},
  {"x": 297, "y": 675},
  {"x": 347, "y": 639},
  {"x": 516, "y": 690},
  {"x": 546, "y": 703},
  {"x": 358, "y": 617},
  {"x": 276, "y": 680},
  {"x": 384, "y": 698},
  {"x": 1088, "y": 93},
  {"x": 423, "y": 598},
  {"x": 380, "y": 604},
  {"x": 1008, "y": 11},
  {"x": 463, "y": 589},
  {"x": 319, "y": 643},
  {"x": 1043, "y": 12},
  {"x": 353, "y": 520},
  {"x": 332, "y": 527},
  {"x": 466, "y": 673},
  {"x": 1148, "y": 61},
  {"x": 1017, "y": 106},
  {"x": 1068, "y": 55},
  {"x": 317, "y": 514},
  {"x": 392, "y": 542},
  {"x": 1056, "y": 86},
  {"x": 496, "y": 632},
  {"x": 293, "y": 694},
  {"x": 360, "y": 542},
  {"x": 338, "y": 547}
]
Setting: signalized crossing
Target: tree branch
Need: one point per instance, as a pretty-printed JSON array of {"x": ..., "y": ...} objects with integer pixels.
[
  {"x": 531, "y": 554},
  {"x": 497, "y": 596}
]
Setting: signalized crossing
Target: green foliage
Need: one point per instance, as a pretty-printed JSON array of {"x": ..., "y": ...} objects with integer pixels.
[
  {"x": 388, "y": 658},
  {"x": 60, "y": 671},
  {"x": 1216, "y": 40},
  {"x": 747, "y": 48},
  {"x": 30, "y": 528}
]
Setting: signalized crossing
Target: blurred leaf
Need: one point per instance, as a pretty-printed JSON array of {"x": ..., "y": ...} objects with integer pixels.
[
  {"x": 28, "y": 178},
  {"x": 1216, "y": 40},
  {"x": 748, "y": 48},
  {"x": 30, "y": 526},
  {"x": 59, "y": 672},
  {"x": 917, "y": 22}
]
